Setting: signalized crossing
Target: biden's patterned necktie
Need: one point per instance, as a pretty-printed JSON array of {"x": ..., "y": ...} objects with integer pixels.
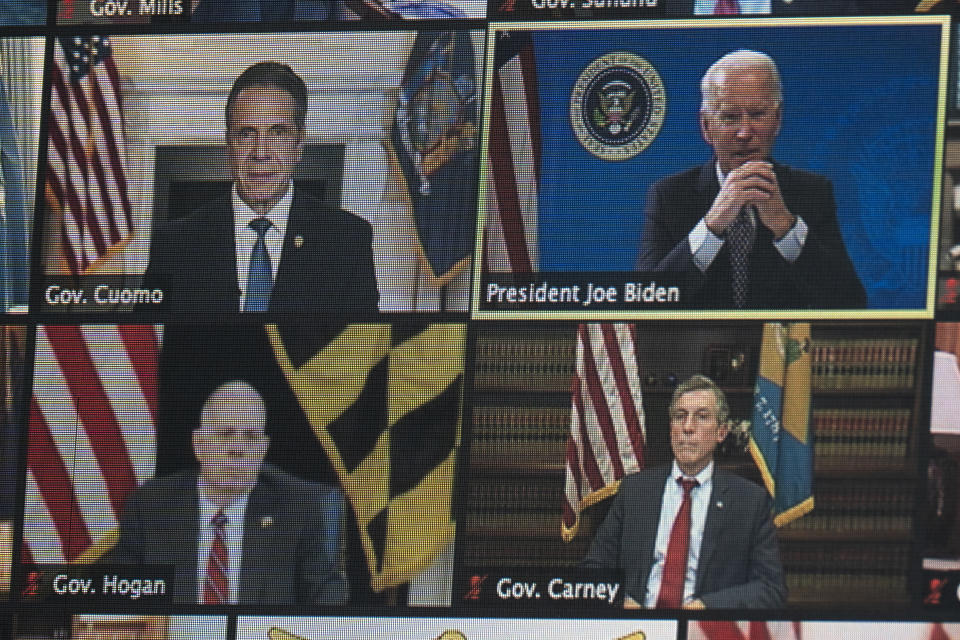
[{"x": 738, "y": 237}]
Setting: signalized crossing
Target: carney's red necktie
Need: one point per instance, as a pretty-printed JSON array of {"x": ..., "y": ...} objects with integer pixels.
[
  {"x": 726, "y": 8},
  {"x": 675, "y": 566},
  {"x": 216, "y": 586}
]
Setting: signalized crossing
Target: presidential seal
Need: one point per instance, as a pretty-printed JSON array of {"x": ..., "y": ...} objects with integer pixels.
[{"x": 617, "y": 106}]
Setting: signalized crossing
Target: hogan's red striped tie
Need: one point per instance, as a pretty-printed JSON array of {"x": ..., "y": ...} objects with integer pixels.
[{"x": 216, "y": 586}]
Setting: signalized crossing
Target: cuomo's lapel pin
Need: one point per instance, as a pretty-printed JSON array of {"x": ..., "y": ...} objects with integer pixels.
[
  {"x": 266, "y": 521},
  {"x": 298, "y": 241}
]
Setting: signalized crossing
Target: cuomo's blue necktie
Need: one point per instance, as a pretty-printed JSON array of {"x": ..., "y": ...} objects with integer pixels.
[{"x": 260, "y": 273}]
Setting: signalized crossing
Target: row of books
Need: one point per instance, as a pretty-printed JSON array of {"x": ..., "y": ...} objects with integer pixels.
[
  {"x": 522, "y": 525},
  {"x": 513, "y": 433},
  {"x": 860, "y": 508},
  {"x": 513, "y": 496},
  {"x": 876, "y": 587},
  {"x": 864, "y": 364},
  {"x": 831, "y": 573},
  {"x": 520, "y": 424},
  {"x": 528, "y": 364},
  {"x": 848, "y": 364},
  {"x": 855, "y": 558},
  {"x": 501, "y": 346},
  {"x": 861, "y": 432},
  {"x": 533, "y": 553}
]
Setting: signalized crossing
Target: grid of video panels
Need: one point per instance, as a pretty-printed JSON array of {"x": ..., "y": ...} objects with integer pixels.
[{"x": 422, "y": 396}]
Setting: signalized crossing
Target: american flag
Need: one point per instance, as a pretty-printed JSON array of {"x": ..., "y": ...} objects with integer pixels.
[
  {"x": 92, "y": 436},
  {"x": 510, "y": 242},
  {"x": 86, "y": 181},
  {"x": 753, "y": 630},
  {"x": 607, "y": 433}
]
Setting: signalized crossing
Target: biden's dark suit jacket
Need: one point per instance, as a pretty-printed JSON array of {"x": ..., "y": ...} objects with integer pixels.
[
  {"x": 291, "y": 538},
  {"x": 822, "y": 277},
  {"x": 739, "y": 557},
  {"x": 326, "y": 264}
]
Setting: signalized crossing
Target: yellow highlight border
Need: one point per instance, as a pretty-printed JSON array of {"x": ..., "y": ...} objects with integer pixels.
[{"x": 927, "y": 313}]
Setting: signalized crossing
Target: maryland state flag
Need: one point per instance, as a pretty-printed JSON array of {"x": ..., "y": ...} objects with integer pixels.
[
  {"x": 434, "y": 145},
  {"x": 384, "y": 403},
  {"x": 373, "y": 408},
  {"x": 780, "y": 438}
]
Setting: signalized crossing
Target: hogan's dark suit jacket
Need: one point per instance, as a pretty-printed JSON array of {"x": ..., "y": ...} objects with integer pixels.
[
  {"x": 291, "y": 538},
  {"x": 822, "y": 277},
  {"x": 739, "y": 564},
  {"x": 326, "y": 264}
]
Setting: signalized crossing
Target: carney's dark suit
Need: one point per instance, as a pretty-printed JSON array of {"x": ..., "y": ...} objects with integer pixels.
[
  {"x": 291, "y": 538},
  {"x": 822, "y": 277},
  {"x": 326, "y": 264},
  {"x": 739, "y": 558}
]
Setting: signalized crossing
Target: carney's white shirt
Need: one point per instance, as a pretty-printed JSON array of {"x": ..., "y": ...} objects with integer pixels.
[{"x": 672, "y": 499}]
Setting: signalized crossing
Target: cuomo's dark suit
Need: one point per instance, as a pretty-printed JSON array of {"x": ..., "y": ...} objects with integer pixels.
[
  {"x": 739, "y": 557},
  {"x": 822, "y": 277},
  {"x": 291, "y": 538},
  {"x": 326, "y": 264}
]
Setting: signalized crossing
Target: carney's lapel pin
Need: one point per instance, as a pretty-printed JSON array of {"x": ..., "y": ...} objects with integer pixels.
[
  {"x": 719, "y": 504},
  {"x": 266, "y": 521},
  {"x": 298, "y": 241}
]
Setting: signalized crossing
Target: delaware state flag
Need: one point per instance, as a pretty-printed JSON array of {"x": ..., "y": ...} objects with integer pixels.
[{"x": 780, "y": 435}]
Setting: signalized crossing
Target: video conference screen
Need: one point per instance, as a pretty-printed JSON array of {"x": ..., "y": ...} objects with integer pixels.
[{"x": 454, "y": 320}]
